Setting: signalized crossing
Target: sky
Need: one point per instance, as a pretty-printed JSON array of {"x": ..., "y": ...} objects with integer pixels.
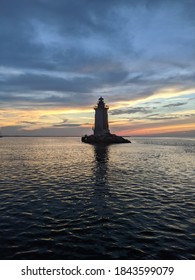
[{"x": 57, "y": 57}]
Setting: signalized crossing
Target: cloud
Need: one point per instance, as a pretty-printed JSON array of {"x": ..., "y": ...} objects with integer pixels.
[
  {"x": 71, "y": 35},
  {"x": 164, "y": 117},
  {"x": 28, "y": 122},
  {"x": 175, "y": 104},
  {"x": 68, "y": 53},
  {"x": 44, "y": 131},
  {"x": 134, "y": 110},
  {"x": 12, "y": 129},
  {"x": 32, "y": 82},
  {"x": 65, "y": 123}
]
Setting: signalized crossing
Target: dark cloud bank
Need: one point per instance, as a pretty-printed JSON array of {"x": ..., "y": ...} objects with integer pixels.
[{"x": 70, "y": 52}]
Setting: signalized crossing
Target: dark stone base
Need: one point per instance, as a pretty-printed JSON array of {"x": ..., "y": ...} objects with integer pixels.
[{"x": 104, "y": 139}]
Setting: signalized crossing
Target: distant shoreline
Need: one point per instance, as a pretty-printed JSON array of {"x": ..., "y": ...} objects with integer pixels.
[{"x": 136, "y": 136}]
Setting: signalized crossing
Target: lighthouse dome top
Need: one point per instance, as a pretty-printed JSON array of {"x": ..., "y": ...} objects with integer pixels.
[{"x": 101, "y": 104}]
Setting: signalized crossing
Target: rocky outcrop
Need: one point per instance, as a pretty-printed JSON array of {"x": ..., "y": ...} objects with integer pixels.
[{"x": 104, "y": 139}]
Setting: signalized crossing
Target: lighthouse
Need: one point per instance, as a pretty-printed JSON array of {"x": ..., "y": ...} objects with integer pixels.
[
  {"x": 101, "y": 133},
  {"x": 101, "y": 118}
]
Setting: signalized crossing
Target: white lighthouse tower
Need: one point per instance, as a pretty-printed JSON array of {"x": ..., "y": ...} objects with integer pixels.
[{"x": 101, "y": 118}]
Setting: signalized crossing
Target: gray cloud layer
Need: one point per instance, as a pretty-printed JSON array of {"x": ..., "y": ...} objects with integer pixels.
[{"x": 70, "y": 52}]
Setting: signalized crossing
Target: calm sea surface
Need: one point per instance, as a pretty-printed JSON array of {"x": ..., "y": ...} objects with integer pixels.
[{"x": 63, "y": 199}]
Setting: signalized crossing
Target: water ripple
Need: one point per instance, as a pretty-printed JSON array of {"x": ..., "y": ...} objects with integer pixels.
[{"x": 62, "y": 199}]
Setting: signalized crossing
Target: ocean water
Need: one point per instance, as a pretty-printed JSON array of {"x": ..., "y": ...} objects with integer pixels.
[{"x": 63, "y": 199}]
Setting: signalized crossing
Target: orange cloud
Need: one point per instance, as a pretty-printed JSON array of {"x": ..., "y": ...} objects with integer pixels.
[{"x": 158, "y": 130}]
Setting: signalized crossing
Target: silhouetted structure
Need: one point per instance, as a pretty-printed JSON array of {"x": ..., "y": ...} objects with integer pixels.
[
  {"x": 101, "y": 118},
  {"x": 101, "y": 130}
]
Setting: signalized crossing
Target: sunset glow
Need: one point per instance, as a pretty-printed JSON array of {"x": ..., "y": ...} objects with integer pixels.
[{"x": 57, "y": 62}]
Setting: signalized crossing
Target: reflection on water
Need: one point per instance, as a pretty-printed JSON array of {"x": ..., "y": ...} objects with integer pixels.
[
  {"x": 101, "y": 153},
  {"x": 63, "y": 199}
]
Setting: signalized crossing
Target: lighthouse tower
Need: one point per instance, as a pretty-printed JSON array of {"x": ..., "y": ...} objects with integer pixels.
[
  {"x": 101, "y": 133},
  {"x": 101, "y": 118}
]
